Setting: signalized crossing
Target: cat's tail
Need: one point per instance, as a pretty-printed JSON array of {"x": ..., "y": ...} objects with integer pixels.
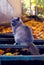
[{"x": 33, "y": 49}]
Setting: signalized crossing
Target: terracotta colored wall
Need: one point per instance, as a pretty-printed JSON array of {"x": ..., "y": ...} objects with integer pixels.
[
  {"x": 17, "y": 7},
  {"x": 10, "y": 8}
]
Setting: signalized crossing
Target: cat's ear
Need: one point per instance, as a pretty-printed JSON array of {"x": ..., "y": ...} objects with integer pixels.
[
  {"x": 13, "y": 20},
  {"x": 18, "y": 18}
]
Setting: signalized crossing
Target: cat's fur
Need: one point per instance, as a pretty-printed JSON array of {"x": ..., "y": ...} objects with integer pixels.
[{"x": 23, "y": 35}]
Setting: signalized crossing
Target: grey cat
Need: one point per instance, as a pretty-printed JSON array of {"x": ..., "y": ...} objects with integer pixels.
[{"x": 23, "y": 35}]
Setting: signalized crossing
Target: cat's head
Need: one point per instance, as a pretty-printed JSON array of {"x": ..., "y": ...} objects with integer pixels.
[{"x": 15, "y": 21}]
